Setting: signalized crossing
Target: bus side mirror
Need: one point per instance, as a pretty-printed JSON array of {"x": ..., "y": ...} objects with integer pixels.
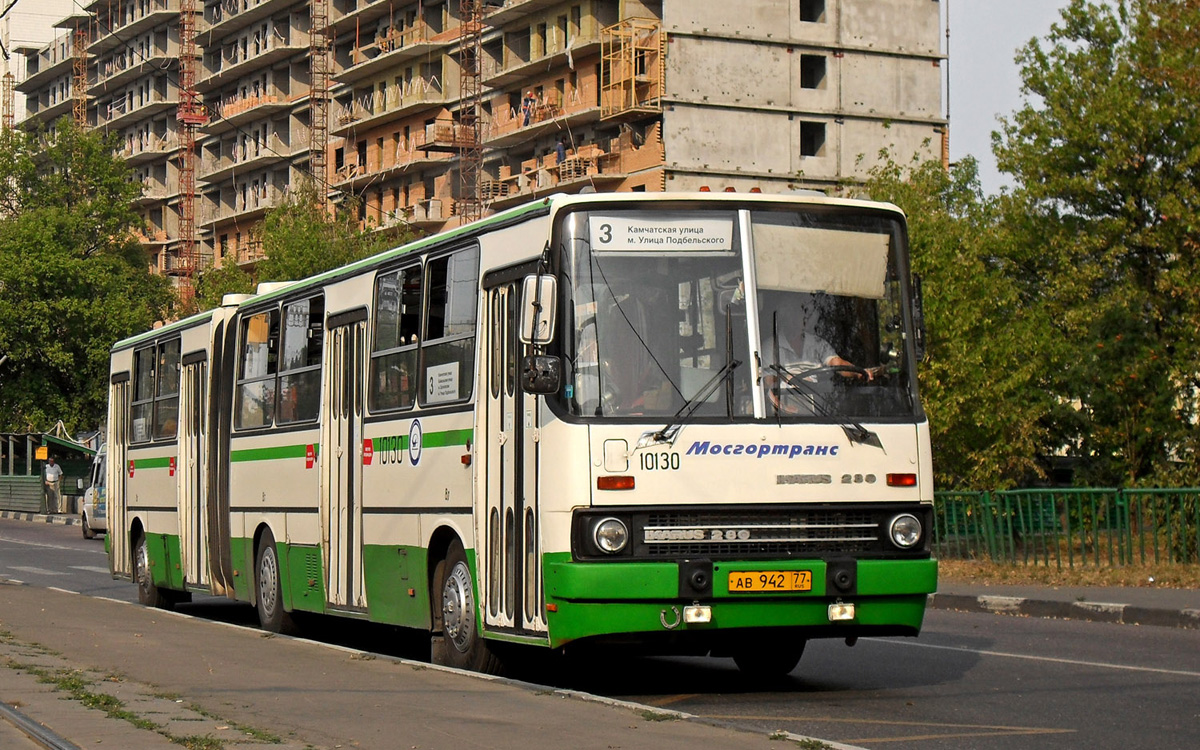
[
  {"x": 541, "y": 374},
  {"x": 539, "y": 303},
  {"x": 79, "y": 483},
  {"x": 918, "y": 315}
]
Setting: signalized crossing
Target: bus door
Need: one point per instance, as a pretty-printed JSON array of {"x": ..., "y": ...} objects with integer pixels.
[
  {"x": 189, "y": 471},
  {"x": 511, "y": 556},
  {"x": 119, "y": 559},
  {"x": 341, "y": 486}
]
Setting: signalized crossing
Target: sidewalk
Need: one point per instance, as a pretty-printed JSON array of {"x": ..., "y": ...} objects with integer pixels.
[
  {"x": 63, "y": 519},
  {"x": 182, "y": 677},
  {"x": 1132, "y": 605}
]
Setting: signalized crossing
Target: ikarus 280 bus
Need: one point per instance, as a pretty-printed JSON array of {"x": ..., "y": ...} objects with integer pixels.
[{"x": 680, "y": 422}]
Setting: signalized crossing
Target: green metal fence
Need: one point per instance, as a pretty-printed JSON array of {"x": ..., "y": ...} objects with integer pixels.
[{"x": 1076, "y": 526}]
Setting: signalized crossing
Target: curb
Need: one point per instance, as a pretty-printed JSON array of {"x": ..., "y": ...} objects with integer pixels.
[
  {"x": 1124, "y": 614},
  {"x": 61, "y": 519}
]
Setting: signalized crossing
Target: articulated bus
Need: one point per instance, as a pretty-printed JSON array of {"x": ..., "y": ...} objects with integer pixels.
[{"x": 675, "y": 423}]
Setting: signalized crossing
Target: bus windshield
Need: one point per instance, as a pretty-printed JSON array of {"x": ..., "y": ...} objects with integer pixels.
[{"x": 772, "y": 313}]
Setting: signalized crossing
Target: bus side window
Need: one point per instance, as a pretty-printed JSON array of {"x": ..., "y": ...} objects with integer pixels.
[
  {"x": 448, "y": 350},
  {"x": 166, "y": 395},
  {"x": 393, "y": 381},
  {"x": 142, "y": 409},
  {"x": 300, "y": 368},
  {"x": 255, "y": 405}
]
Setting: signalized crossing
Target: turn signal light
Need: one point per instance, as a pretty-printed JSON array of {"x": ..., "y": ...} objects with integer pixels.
[
  {"x": 614, "y": 483},
  {"x": 902, "y": 480}
]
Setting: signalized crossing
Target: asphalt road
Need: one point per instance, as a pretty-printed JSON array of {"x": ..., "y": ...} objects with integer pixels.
[{"x": 970, "y": 681}]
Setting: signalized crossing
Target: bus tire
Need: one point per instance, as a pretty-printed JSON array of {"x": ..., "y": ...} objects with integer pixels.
[
  {"x": 769, "y": 662},
  {"x": 269, "y": 600},
  {"x": 456, "y": 639},
  {"x": 148, "y": 594}
]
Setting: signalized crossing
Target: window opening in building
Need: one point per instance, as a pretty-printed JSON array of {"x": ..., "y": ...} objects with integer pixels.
[
  {"x": 812, "y": 11},
  {"x": 812, "y": 139},
  {"x": 812, "y": 71}
]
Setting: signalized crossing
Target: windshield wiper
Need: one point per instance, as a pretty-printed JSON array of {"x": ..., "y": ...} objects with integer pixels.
[
  {"x": 855, "y": 432},
  {"x": 670, "y": 430}
]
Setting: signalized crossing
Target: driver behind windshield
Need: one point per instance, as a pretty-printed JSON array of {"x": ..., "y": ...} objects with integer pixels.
[{"x": 789, "y": 324}]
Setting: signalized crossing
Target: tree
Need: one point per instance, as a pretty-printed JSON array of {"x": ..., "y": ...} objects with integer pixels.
[
  {"x": 1106, "y": 157},
  {"x": 989, "y": 411},
  {"x": 73, "y": 276},
  {"x": 301, "y": 239}
]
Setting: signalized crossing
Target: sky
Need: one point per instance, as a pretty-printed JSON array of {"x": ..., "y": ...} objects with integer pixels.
[{"x": 984, "y": 81}]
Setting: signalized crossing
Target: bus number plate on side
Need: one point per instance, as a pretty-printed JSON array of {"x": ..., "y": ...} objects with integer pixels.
[{"x": 758, "y": 581}]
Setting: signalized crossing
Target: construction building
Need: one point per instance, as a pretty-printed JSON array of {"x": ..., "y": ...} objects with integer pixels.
[{"x": 434, "y": 112}]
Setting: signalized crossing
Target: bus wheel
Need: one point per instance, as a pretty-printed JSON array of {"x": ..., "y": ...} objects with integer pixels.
[
  {"x": 269, "y": 603},
  {"x": 459, "y": 644},
  {"x": 148, "y": 594},
  {"x": 769, "y": 662},
  {"x": 87, "y": 530}
]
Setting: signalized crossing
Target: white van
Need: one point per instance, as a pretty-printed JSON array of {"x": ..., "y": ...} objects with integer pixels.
[{"x": 93, "y": 514}]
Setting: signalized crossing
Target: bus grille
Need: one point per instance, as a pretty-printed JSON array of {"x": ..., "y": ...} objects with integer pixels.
[{"x": 764, "y": 533}]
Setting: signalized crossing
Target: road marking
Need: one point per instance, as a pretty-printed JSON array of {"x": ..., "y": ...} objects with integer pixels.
[
  {"x": 40, "y": 544},
  {"x": 90, "y": 568},
  {"x": 36, "y": 571},
  {"x": 981, "y": 730},
  {"x": 668, "y": 700},
  {"x": 1050, "y": 659}
]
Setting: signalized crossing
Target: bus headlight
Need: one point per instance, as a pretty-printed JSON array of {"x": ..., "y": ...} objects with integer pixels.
[
  {"x": 610, "y": 535},
  {"x": 905, "y": 530}
]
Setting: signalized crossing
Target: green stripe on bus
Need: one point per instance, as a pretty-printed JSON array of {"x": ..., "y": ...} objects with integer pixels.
[
  {"x": 443, "y": 439},
  {"x": 271, "y": 454},
  {"x": 163, "y": 462}
]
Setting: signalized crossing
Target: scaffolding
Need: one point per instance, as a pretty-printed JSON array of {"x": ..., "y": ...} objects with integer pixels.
[
  {"x": 79, "y": 82},
  {"x": 470, "y": 143},
  {"x": 190, "y": 116},
  {"x": 320, "y": 74},
  {"x": 632, "y": 59},
  {"x": 9, "y": 104}
]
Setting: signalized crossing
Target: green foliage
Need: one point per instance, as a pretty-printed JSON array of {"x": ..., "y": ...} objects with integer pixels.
[
  {"x": 300, "y": 239},
  {"x": 1063, "y": 315},
  {"x": 984, "y": 391},
  {"x": 73, "y": 279},
  {"x": 1106, "y": 156}
]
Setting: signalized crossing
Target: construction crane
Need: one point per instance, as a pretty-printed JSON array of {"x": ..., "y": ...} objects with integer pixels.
[
  {"x": 8, "y": 103},
  {"x": 318, "y": 97},
  {"x": 470, "y": 136},
  {"x": 191, "y": 116}
]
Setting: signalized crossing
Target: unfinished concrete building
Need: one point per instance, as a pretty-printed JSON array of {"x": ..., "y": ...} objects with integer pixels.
[{"x": 443, "y": 110}]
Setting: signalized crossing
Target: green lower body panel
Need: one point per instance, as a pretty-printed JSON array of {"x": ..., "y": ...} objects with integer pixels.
[
  {"x": 241, "y": 553},
  {"x": 642, "y": 599},
  {"x": 396, "y": 586},
  {"x": 166, "y": 566}
]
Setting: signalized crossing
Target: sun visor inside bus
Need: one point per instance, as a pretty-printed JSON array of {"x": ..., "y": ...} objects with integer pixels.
[{"x": 800, "y": 259}]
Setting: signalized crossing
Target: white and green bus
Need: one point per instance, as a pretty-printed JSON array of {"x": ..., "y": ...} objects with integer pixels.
[{"x": 686, "y": 423}]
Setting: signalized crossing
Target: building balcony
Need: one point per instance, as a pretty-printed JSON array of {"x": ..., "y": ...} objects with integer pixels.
[
  {"x": 272, "y": 151},
  {"x": 46, "y": 114},
  {"x": 590, "y": 165},
  {"x": 518, "y": 70},
  {"x": 226, "y": 17},
  {"x": 154, "y": 191},
  {"x": 391, "y": 50},
  {"x": 254, "y": 207},
  {"x": 118, "y": 113},
  {"x": 229, "y": 69},
  {"x": 51, "y": 61},
  {"x": 117, "y": 29},
  {"x": 376, "y": 108},
  {"x": 156, "y": 238},
  {"x": 150, "y": 149},
  {"x": 508, "y": 127},
  {"x": 512, "y": 10},
  {"x": 234, "y": 111},
  {"x": 129, "y": 67},
  {"x": 364, "y": 12}
]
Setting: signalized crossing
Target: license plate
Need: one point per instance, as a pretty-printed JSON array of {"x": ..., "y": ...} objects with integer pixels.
[{"x": 759, "y": 581}]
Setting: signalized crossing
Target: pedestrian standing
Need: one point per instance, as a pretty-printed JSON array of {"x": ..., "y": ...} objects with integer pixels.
[{"x": 53, "y": 479}]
